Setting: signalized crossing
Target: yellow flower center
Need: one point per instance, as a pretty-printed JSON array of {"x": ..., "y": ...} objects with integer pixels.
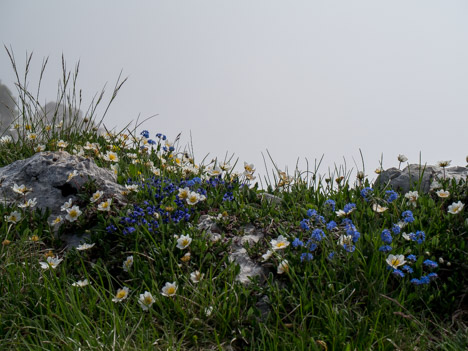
[
  {"x": 148, "y": 300},
  {"x": 121, "y": 294},
  {"x": 170, "y": 290}
]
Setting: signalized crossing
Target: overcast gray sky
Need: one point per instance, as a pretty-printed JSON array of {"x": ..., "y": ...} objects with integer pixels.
[{"x": 299, "y": 78}]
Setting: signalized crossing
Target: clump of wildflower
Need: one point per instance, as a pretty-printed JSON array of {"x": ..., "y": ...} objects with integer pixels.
[
  {"x": 29, "y": 204},
  {"x": 331, "y": 225},
  {"x": 121, "y": 295},
  {"x": 411, "y": 258},
  {"x": 330, "y": 203},
  {"x": 385, "y": 248},
  {"x": 306, "y": 256},
  {"x": 297, "y": 242},
  {"x": 430, "y": 264},
  {"x": 169, "y": 289},
  {"x": 366, "y": 193},
  {"x": 386, "y": 236},
  {"x": 456, "y": 207},
  {"x": 146, "y": 300},
  {"x": 407, "y": 216},
  {"x": 391, "y": 196}
]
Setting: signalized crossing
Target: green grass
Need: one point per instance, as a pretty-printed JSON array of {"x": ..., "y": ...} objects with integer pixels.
[{"x": 349, "y": 302}]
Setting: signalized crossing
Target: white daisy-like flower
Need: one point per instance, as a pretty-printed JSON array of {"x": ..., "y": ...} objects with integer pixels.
[
  {"x": 283, "y": 267},
  {"x": 402, "y": 224},
  {"x": 68, "y": 204},
  {"x": 340, "y": 213},
  {"x": 57, "y": 220},
  {"x": 406, "y": 236},
  {"x": 193, "y": 198},
  {"x": 379, "y": 209},
  {"x": 30, "y": 203},
  {"x": 85, "y": 246},
  {"x": 62, "y": 144},
  {"x": 128, "y": 263},
  {"x": 443, "y": 193},
  {"x": 121, "y": 295},
  {"x": 72, "y": 175},
  {"x": 133, "y": 187},
  {"x": 105, "y": 205},
  {"x": 81, "y": 283},
  {"x": 215, "y": 171},
  {"x": 32, "y": 136},
  {"x": 266, "y": 256},
  {"x": 402, "y": 158},
  {"x": 52, "y": 262},
  {"x": 412, "y": 196},
  {"x": 345, "y": 240},
  {"x": 96, "y": 196},
  {"x": 39, "y": 148},
  {"x": 250, "y": 168},
  {"x": 22, "y": 189},
  {"x": 279, "y": 243},
  {"x": 73, "y": 213},
  {"x": 169, "y": 289},
  {"x": 196, "y": 276},
  {"x": 395, "y": 261},
  {"x": 183, "y": 241},
  {"x": 208, "y": 311},
  {"x": 183, "y": 193},
  {"x": 456, "y": 207},
  {"x": 115, "y": 168},
  {"x": 6, "y": 139},
  {"x": 111, "y": 157},
  {"x": 14, "y": 217},
  {"x": 146, "y": 300}
]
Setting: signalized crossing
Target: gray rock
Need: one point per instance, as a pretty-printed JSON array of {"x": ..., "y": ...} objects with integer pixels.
[
  {"x": 46, "y": 173},
  {"x": 409, "y": 178}
]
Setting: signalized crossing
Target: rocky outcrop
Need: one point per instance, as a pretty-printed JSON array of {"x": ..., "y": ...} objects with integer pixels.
[
  {"x": 409, "y": 178},
  {"x": 47, "y": 175}
]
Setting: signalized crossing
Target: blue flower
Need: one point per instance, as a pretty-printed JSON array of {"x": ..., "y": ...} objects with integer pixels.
[
  {"x": 431, "y": 264},
  {"x": 305, "y": 224},
  {"x": 385, "y": 248},
  {"x": 331, "y": 225},
  {"x": 398, "y": 273},
  {"x": 432, "y": 276},
  {"x": 317, "y": 234},
  {"x": 396, "y": 229},
  {"x": 296, "y": 242},
  {"x": 145, "y": 133},
  {"x": 349, "y": 248},
  {"x": 391, "y": 196},
  {"x": 111, "y": 229},
  {"x": 312, "y": 246},
  {"x": 415, "y": 281},
  {"x": 424, "y": 279},
  {"x": 128, "y": 230},
  {"x": 348, "y": 208},
  {"x": 366, "y": 192},
  {"x": 386, "y": 236},
  {"x": 161, "y": 136},
  {"x": 330, "y": 203},
  {"x": 408, "y": 216},
  {"x": 306, "y": 257},
  {"x": 311, "y": 212},
  {"x": 331, "y": 255},
  {"x": 411, "y": 258},
  {"x": 407, "y": 268},
  {"x": 228, "y": 196},
  {"x": 420, "y": 236}
]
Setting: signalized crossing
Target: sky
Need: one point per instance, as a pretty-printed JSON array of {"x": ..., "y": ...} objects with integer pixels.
[{"x": 297, "y": 79}]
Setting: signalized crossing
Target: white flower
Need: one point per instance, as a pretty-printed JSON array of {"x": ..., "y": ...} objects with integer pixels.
[
  {"x": 57, "y": 220},
  {"x": 115, "y": 168},
  {"x": 81, "y": 283},
  {"x": 412, "y": 196},
  {"x": 96, "y": 196},
  {"x": 39, "y": 148},
  {"x": 402, "y": 158},
  {"x": 402, "y": 224},
  {"x": 85, "y": 246},
  {"x": 249, "y": 167},
  {"x": 122, "y": 294},
  {"x": 32, "y": 136},
  {"x": 6, "y": 139},
  {"x": 183, "y": 193},
  {"x": 73, "y": 213},
  {"x": 52, "y": 262},
  {"x": 444, "y": 163},
  {"x": 146, "y": 300},
  {"x": 216, "y": 171},
  {"x": 133, "y": 187},
  {"x": 111, "y": 157},
  {"x": 66, "y": 205},
  {"x": 395, "y": 261},
  {"x": 105, "y": 205},
  {"x": 279, "y": 243},
  {"x": 184, "y": 241},
  {"x": 379, "y": 209},
  {"x": 30, "y": 203},
  {"x": 443, "y": 193},
  {"x": 340, "y": 213},
  {"x": 78, "y": 152},
  {"x": 196, "y": 276},
  {"x": 14, "y": 217},
  {"x": 22, "y": 189},
  {"x": 169, "y": 289},
  {"x": 62, "y": 144},
  {"x": 267, "y": 255},
  {"x": 128, "y": 263},
  {"x": 406, "y": 236},
  {"x": 283, "y": 267},
  {"x": 345, "y": 240},
  {"x": 193, "y": 198},
  {"x": 208, "y": 311},
  {"x": 456, "y": 207},
  {"x": 72, "y": 175}
]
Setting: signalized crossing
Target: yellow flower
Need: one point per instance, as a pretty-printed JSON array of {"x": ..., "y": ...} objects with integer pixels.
[{"x": 34, "y": 238}]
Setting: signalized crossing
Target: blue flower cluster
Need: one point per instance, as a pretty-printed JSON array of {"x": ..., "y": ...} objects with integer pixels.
[
  {"x": 391, "y": 196},
  {"x": 407, "y": 216},
  {"x": 366, "y": 193}
]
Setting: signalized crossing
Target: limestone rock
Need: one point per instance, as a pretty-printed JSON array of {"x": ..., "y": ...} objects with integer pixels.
[
  {"x": 46, "y": 173},
  {"x": 406, "y": 179}
]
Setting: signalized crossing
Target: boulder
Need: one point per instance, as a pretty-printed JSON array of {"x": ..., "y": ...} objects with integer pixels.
[
  {"x": 409, "y": 178},
  {"x": 47, "y": 173}
]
